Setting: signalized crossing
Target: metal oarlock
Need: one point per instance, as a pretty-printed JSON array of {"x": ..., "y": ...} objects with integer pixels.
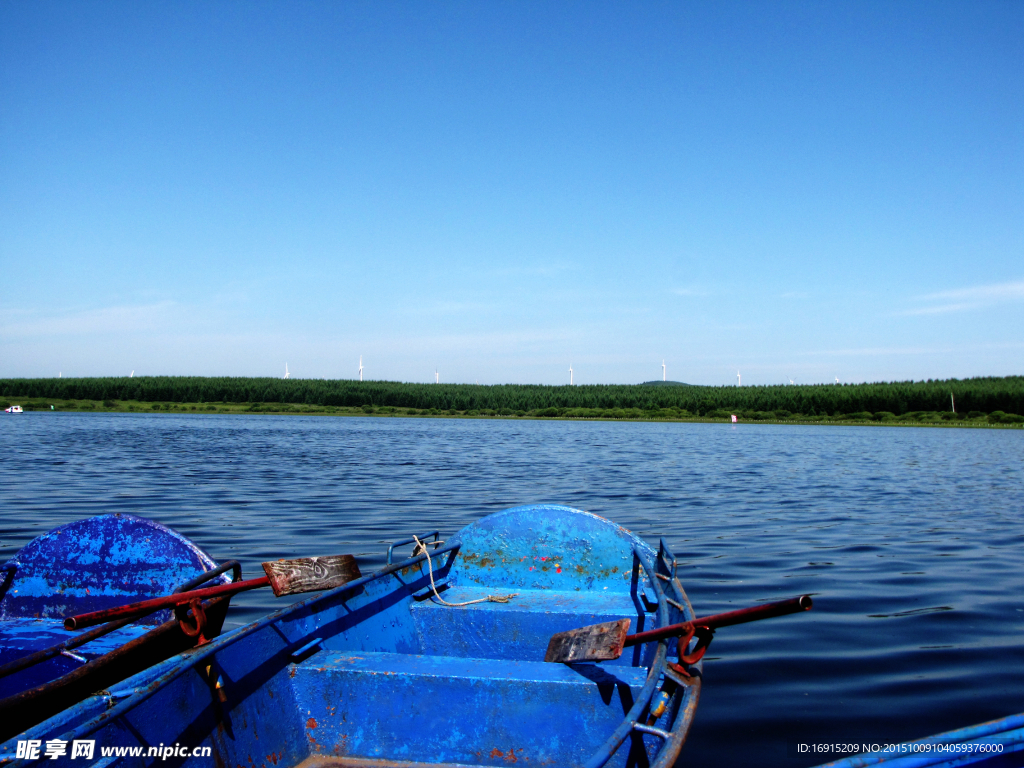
[{"x": 195, "y": 606}]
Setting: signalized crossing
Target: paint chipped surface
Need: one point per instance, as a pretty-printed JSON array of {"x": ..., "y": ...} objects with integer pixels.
[
  {"x": 546, "y": 547},
  {"x": 98, "y": 563},
  {"x": 377, "y": 693}
]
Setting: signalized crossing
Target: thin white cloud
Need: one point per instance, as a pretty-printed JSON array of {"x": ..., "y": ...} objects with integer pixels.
[
  {"x": 940, "y": 309},
  {"x": 147, "y": 317},
  {"x": 966, "y": 299},
  {"x": 877, "y": 351},
  {"x": 889, "y": 351},
  {"x": 458, "y": 307},
  {"x": 535, "y": 270},
  {"x": 999, "y": 291},
  {"x": 689, "y": 292}
]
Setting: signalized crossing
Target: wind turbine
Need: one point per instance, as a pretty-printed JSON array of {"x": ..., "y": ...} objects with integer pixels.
[
  {"x": 131, "y": 374},
  {"x": 437, "y": 378},
  {"x": 663, "y": 378},
  {"x": 570, "y": 374},
  {"x": 837, "y": 379},
  {"x": 739, "y": 381},
  {"x": 791, "y": 381},
  {"x": 286, "y": 374},
  {"x": 360, "y": 367}
]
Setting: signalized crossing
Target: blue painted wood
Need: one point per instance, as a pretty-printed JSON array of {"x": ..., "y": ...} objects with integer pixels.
[
  {"x": 82, "y": 566},
  {"x": 98, "y": 563},
  {"x": 379, "y": 670},
  {"x": 369, "y": 704},
  {"x": 547, "y": 547}
]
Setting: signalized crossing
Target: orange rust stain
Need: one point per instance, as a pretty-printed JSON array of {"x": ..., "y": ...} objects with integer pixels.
[
  {"x": 496, "y": 752},
  {"x": 311, "y": 723}
]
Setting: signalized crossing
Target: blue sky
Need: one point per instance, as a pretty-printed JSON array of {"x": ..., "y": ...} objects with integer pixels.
[{"x": 496, "y": 189}]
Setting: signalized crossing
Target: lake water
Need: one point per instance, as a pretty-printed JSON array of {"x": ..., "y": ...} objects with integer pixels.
[{"x": 911, "y": 540}]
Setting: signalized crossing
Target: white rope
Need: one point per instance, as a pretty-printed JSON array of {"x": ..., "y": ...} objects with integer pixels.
[{"x": 421, "y": 547}]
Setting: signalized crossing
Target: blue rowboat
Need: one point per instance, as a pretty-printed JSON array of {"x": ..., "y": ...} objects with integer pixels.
[
  {"x": 436, "y": 659},
  {"x": 83, "y": 566},
  {"x": 995, "y": 744}
]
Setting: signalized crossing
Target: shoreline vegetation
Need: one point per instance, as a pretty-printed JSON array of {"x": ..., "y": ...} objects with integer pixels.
[{"x": 980, "y": 402}]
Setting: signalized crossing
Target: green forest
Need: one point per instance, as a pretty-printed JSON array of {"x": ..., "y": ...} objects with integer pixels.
[{"x": 996, "y": 400}]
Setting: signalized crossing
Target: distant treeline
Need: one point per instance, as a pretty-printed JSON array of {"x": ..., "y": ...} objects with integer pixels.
[{"x": 983, "y": 395}]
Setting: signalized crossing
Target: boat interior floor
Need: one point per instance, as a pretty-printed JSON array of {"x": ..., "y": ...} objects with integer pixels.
[{"x": 452, "y": 700}]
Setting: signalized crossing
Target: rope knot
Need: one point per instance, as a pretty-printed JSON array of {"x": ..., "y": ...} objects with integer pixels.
[{"x": 421, "y": 548}]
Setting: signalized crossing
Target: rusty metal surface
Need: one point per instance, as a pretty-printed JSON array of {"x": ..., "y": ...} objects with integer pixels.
[
  {"x": 731, "y": 618},
  {"x": 546, "y": 547},
  {"x": 28, "y": 707},
  {"x": 92, "y": 563},
  {"x": 143, "y": 608},
  {"x": 365, "y": 673}
]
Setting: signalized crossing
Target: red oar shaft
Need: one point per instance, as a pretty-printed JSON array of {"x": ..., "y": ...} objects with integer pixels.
[
  {"x": 144, "y": 607},
  {"x": 742, "y": 616}
]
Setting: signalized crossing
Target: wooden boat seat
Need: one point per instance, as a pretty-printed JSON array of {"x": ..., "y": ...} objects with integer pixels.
[
  {"x": 385, "y": 705},
  {"x": 519, "y": 629}
]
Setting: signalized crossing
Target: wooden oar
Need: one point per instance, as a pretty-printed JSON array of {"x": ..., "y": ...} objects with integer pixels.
[
  {"x": 600, "y": 642},
  {"x": 285, "y": 577}
]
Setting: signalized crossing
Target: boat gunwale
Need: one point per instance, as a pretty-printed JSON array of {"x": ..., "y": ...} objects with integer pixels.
[
  {"x": 194, "y": 657},
  {"x": 680, "y": 709},
  {"x": 670, "y": 747}
]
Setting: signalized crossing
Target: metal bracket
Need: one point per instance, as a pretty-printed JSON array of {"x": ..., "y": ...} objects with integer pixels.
[
  {"x": 661, "y": 734},
  {"x": 436, "y": 542}
]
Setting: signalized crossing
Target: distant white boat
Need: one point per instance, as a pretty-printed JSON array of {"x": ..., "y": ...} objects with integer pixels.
[{"x": 13, "y": 409}]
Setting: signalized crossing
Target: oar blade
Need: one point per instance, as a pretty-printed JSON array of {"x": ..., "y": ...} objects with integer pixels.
[
  {"x": 310, "y": 574},
  {"x": 598, "y": 642}
]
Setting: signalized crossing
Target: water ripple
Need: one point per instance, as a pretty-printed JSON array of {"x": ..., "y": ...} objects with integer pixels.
[{"x": 910, "y": 539}]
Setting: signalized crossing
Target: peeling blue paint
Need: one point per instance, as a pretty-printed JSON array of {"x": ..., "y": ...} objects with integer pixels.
[
  {"x": 99, "y": 563},
  {"x": 87, "y": 565},
  {"x": 399, "y": 676}
]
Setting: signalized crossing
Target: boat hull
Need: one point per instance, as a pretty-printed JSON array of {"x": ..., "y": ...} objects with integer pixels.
[
  {"x": 995, "y": 744},
  {"x": 381, "y": 672},
  {"x": 86, "y": 565}
]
